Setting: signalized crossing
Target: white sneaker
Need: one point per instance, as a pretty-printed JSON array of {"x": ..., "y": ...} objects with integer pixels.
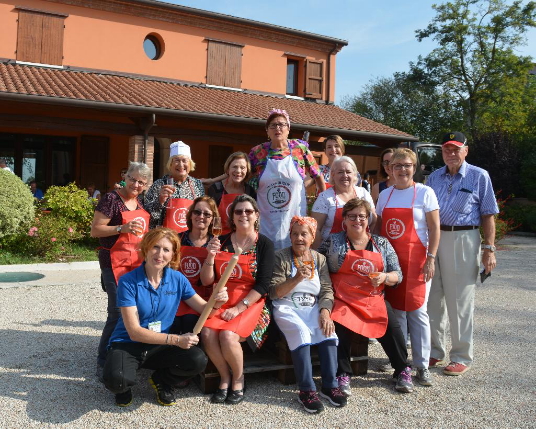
[{"x": 423, "y": 377}]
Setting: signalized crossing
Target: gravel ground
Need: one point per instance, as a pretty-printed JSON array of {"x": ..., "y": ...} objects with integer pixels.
[{"x": 50, "y": 329}]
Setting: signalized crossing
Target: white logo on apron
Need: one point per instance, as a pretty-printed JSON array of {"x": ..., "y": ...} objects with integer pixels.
[
  {"x": 363, "y": 267},
  {"x": 237, "y": 271},
  {"x": 143, "y": 225},
  {"x": 279, "y": 195},
  {"x": 395, "y": 228},
  {"x": 179, "y": 217},
  {"x": 190, "y": 266}
]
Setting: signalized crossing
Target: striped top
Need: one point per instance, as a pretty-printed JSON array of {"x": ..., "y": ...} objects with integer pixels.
[{"x": 464, "y": 197}]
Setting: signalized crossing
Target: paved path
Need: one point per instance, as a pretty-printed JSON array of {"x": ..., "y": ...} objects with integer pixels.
[{"x": 50, "y": 326}]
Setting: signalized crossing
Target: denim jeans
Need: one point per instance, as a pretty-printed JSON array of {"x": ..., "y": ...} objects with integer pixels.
[{"x": 108, "y": 279}]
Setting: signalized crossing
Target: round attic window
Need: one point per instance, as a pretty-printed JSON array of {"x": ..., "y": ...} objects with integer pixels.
[{"x": 153, "y": 46}]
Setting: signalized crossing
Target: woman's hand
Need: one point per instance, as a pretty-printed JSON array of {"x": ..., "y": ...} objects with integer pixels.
[
  {"x": 377, "y": 279},
  {"x": 326, "y": 324},
  {"x": 429, "y": 268},
  {"x": 185, "y": 341},
  {"x": 221, "y": 298},
  {"x": 166, "y": 191},
  {"x": 230, "y": 313},
  {"x": 134, "y": 227},
  {"x": 214, "y": 246},
  {"x": 303, "y": 272}
]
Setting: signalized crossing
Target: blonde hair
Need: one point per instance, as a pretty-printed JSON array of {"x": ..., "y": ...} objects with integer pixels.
[
  {"x": 402, "y": 153},
  {"x": 154, "y": 236}
]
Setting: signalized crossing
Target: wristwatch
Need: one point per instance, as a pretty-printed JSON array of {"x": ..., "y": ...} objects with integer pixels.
[
  {"x": 245, "y": 301},
  {"x": 490, "y": 247},
  {"x": 118, "y": 229}
]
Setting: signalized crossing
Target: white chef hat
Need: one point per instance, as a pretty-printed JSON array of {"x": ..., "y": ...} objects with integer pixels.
[{"x": 179, "y": 148}]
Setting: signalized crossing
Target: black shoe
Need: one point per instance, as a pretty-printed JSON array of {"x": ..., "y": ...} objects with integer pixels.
[
  {"x": 310, "y": 402},
  {"x": 219, "y": 396},
  {"x": 334, "y": 395},
  {"x": 235, "y": 397},
  {"x": 123, "y": 399},
  {"x": 165, "y": 394}
]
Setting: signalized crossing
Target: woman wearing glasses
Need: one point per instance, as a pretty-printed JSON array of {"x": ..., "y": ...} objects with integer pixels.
[
  {"x": 194, "y": 242},
  {"x": 385, "y": 172},
  {"x": 327, "y": 209},
  {"x": 119, "y": 222},
  {"x": 247, "y": 286},
  {"x": 408, "y": 213},
  {"x": 361, "y": 266},
  {"x": 279, "y": 170},
  {"x": 169, "y": 198},
  {"x": 237, "y": 170}
]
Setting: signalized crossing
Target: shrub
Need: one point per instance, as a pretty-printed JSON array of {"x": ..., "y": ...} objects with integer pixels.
[
  {"x": 523, "y": 216},
  {"x": 16, "y": 204},
  {"x": 72, "y": 204},
  {"x": 503, "y": 224}
]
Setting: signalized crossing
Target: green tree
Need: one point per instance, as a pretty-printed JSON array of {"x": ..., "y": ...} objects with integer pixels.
[
  {"x": 408, "y": 103},
  {"x": 475, "y": 63}
]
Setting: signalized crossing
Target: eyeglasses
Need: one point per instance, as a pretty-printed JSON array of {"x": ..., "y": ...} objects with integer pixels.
[
  {"x": 240, "y": 212},
  {"x": 137, "y": 182},
  {"x": 200, "y": 213},
  {"x": 402, "y": 166},
  {"x": 353, "y": 217},
  {"x": 385, "y": 163},
  {"x": 281, "y": 125}
]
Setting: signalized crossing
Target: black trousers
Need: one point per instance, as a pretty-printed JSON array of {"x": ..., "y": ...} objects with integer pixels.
[
  {"x": 392, "y": 342},
  {"x": 172, "y": 364}
]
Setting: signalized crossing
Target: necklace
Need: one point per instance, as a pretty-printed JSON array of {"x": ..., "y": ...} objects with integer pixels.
[
  {"x": 299, "y": 262},
  {"x": 245, "y": 245},
  {"x": 359, "y": 242}
]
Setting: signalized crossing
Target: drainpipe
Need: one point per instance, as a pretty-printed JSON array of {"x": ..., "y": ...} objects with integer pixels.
[{"x": 146, "y": 124}]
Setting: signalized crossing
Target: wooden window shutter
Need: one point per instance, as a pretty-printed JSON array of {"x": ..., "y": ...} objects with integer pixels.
[
  {"x": 314, "y": 78},
  {"x": 224, "y": 64},
  {"x": 40, "y": 38}
]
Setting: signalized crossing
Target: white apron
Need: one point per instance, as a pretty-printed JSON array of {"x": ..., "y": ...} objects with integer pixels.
[
  {"x": 297, "y": 314},
  {"x": 280, "y": 196}
]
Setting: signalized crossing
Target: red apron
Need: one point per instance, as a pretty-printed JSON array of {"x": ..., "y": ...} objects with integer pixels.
[
  {"x": 176, "y": 211},
  {"x": 192, "y": 259},
  {"x": 338, "y": 219},
  {"x": 223, "y": 209},
  {"x": 358, "y": 305},
  {"x": 124, "y": 253},
  {"x": 399, "y": 228},
  {"x": 238, "y": 286}
]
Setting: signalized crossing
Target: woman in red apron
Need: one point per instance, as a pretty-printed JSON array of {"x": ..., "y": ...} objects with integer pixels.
[
  {"x": 169, "y": 198},
  {"x": 327, "y": 209},
  {"x": 246, "y": 287},
  {"x": 361, "y": 266},
  {"x": 409, "y": 218},
  {"x": 237, "y": 170},
  {"x": 194, "y": 243},
  {"x": 119, "y": 222}
]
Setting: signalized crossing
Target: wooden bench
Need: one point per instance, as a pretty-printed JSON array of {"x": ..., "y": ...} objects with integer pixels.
[{"x": 275, "y": 357}]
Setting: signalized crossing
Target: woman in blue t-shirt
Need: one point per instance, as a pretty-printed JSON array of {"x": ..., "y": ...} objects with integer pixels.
[{"x": 148, "y": 298}]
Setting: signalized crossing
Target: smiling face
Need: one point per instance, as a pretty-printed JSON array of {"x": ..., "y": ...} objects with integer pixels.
[
  {"x": 356, "y": 222},
  {"x": 278, "y": 129},
  {"x": 403, "y": 170},
  {"x": 301, "y": 238},
  {"x": 454, "y": 156},
  {"x": 333, "y": 150},
  {"x": 237, "y": 170},
  {"x": 244, "y": 216},
  {"x": 134, "y": 184},
  {"x": 180, "y": 168},
  {"x": 202, "y": 216},
  {"x": 386, "y": 163},
  {"x": 343, "y": 176},
  {"x": 159, "y": 256}
]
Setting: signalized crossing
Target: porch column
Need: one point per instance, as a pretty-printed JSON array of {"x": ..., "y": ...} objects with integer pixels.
[{"x": 135, "y": 151}]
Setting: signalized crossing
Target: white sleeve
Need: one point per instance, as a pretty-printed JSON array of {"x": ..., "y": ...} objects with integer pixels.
[
  {"x": 430, "y": 202},
  {"x": 321, "y": 204}
]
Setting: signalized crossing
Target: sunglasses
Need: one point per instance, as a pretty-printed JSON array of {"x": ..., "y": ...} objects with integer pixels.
[
  {"x": 240, "y": 212},
  {"x": 199, "y": 213}
]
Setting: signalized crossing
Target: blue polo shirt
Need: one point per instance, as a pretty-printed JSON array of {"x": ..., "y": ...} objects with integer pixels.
[
  {"x": 465, "y": 197},
  {"x": 153, "y": 305}
]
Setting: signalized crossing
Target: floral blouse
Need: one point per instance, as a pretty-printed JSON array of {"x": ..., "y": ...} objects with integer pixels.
[{"x": 298, "y": 149}]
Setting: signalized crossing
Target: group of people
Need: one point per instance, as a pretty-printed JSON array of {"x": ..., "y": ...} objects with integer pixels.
[{"x": 383, "y": 271}]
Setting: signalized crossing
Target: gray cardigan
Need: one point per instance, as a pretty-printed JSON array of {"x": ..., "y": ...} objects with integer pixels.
[{"x": 283, "y": 270}]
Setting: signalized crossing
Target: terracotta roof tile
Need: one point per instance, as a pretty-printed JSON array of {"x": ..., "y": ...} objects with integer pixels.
[{"x": 153, "y": 93}]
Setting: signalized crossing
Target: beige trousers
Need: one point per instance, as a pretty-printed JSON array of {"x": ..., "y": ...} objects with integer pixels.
[{"x": 452, "y": 294}]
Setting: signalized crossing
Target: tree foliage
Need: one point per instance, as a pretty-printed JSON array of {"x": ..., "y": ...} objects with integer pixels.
[
  {"x": 475, "y": 62},
  {"x": 16, "y": 204}
]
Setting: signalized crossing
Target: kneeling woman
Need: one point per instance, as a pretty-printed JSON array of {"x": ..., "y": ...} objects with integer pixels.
[
  {"x": 148, "y": 298},
  {"x": 302, "y": 298},
  {"x": 361, "y": 265}
]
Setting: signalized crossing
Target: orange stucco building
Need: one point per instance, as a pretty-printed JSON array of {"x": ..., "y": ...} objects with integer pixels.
[{"x": 86, "y": 86}]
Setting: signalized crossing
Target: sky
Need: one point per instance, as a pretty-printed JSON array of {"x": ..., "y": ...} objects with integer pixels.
[{"x": 380, "y": 34}]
